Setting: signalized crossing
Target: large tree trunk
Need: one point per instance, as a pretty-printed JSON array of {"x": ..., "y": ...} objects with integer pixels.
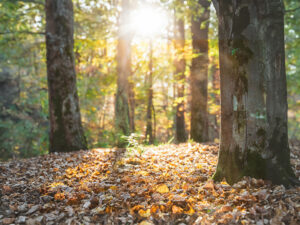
[
  {"x": 254, "y": 140},
  {"x": 180, "y": 132},
  {"x": 66, "y": 133},
  {"x": 149, "y": 128},
  {"x": 199, "y": 70},
  {"x": 122, "y": 117}
]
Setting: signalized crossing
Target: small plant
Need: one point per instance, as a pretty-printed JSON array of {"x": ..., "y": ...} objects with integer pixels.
[{"x": 134, "y": 145}]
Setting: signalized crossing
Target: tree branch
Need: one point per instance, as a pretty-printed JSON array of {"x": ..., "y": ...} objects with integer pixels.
[
  {"x": 32, "y": 1},
  {"x": 292, "y": 10},
  {"x": 22, "y": 32}
]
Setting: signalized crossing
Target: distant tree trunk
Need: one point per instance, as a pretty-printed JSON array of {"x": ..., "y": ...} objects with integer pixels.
[
  {"x": 180, "y": 132},
  {"x": 199, "y": 71},
  {"x": 131, "y": 95},
  {"x": 122, "y": 115},
  {"x": 254, "y": 140},
  {"x": 9, "y": 93},
  {"x": 66, "y": 132},
  {"x": 214, "y": 126},
  {"x": 149, "y": 129}
]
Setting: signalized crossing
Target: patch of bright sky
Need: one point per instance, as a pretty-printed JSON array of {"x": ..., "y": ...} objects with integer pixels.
[{"x": 149, "y": 19}]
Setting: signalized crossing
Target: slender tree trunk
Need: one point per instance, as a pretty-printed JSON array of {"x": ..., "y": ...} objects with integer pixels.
[
  {"x": 66, "y": 132},
  {"x": 254, "y": 140},
  {"x": 199, "y": 71},
  {"x": 180, "y": 132},
  {"x": 122, "y": 116},
  {"x": 131, "y": 95},
  {"x": 149, "y": 129},
  {"x": 214, "y": 126}
]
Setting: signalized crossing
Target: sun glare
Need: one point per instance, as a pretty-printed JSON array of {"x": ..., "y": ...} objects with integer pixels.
[{"x": 148, "y": 22}]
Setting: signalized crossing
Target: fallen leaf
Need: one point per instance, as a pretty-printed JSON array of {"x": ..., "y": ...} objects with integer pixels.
[
  {"x": 209, "y": 185},
  {"x": 190, "y": 212},
  {"x": 225, "y": 208},
  {"x": 146, "y": 222},
  {"x": 163, "y": 188},
  {"x": 8, "y": 220},
  {"x": 144, "y": 213},
  {"x": 176, "y": 209},
  {"x": 59, "y": 196},
  {"x": 6, "y": 189}
]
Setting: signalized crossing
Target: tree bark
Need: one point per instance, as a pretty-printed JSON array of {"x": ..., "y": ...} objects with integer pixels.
[
  {"x": 180, "y": 132},
  {"x": 131, "y": 95},
  {"x": 66, "y": 132},
  {"x": 199, "y": 71},
  {"x": 122, "y": 115},
  {"x": 254, "y": 140},
  {"x": 149, "y": 128}
]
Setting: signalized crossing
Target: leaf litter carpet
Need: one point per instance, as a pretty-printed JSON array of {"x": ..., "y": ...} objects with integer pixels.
[{"x": 168, "y": 184}]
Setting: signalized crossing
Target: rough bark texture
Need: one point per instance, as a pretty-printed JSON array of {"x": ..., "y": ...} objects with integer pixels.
[
  {"x": 254, "y": 140},
  {"x": 199, "y": 70},
  {"x": 180, "y": 132},
  {"x": 149, "y": 129},
  {"x": 122, "y": 116},
  {"x": 66, "y": 133}
]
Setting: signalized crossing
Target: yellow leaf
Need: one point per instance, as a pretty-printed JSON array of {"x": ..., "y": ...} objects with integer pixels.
[
  {"x": 224, "y": 183},
  {"x": 176, "y": 209},
  {"x": 162, "y": 189},
  {"x": 144, "y": 213},
  {"x": 199, "y": 166},
  {"x": 145, "y": 222},
  {"x": 143, "y": 173},
  {"x": 114, "y": 188},
  {"x": 136, "y": 208},
  {"x": 190, "y": 212}
]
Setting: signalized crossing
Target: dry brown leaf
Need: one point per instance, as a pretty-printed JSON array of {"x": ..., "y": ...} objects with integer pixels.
[{"x": 59, "y": 196}]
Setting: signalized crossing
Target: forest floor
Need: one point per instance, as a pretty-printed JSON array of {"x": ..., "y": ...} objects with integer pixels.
[{"x": 168, "y": 184}]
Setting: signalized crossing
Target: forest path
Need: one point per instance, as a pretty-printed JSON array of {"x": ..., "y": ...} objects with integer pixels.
[{"x": 168, "y": 184}]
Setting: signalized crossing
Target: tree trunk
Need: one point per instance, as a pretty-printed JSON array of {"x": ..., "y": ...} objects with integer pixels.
[
  {"x": 131, "y": 95},
  {"x": 180, "y": 132},
  {"x": 254, "y": 140},
  {"x": 149, "y": 128},
  {"x": 66, "y": 132},
  {"x": 122, "y": 116},
  {"x": 199, "y": 71}
]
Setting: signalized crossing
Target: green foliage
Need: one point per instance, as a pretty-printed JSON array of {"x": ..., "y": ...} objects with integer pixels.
[
  {"x": 134, "y": 146},
  {"x": 292, "y": 40}
]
